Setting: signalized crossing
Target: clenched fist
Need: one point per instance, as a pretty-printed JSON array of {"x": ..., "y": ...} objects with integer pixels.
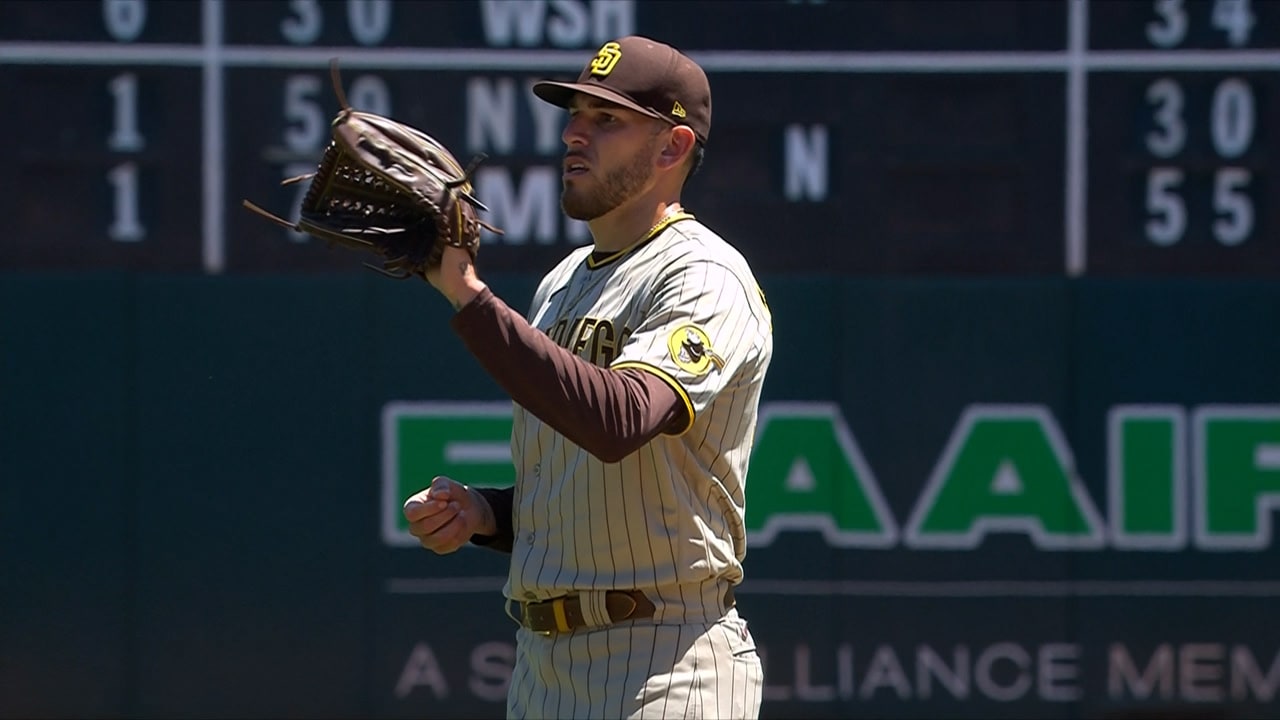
[{"x": 445, "y": 516}]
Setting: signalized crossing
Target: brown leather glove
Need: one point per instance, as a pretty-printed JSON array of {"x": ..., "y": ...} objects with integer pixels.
[{"x": 390, "y": 189}]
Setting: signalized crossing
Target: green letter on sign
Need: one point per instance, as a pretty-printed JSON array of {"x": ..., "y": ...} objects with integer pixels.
[
  {"x": 1005, "y": 468},
  {"x": 1237, "y": 475},
  {"x": 808, "y": 474},
  {"x": 469, "y": 442},
  {"x": 1147, "y": 477}
]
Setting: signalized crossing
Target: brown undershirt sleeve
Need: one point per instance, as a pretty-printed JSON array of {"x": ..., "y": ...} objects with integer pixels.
[
  {"x": 609, "y": 413},
  {"x": 500, "y": 502}
]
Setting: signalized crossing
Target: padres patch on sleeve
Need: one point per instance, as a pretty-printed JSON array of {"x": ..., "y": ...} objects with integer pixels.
[{"x": 691, "y": 350}]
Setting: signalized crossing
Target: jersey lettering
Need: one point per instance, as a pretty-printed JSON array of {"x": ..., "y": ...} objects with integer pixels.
[{"x": 597, "y": 336}]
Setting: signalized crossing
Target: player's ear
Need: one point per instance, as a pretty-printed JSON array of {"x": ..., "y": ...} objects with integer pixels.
[{"x": 678, "y": 146}]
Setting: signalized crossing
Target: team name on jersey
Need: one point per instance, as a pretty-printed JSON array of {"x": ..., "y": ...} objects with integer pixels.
[{"x": 596, "y": 336}]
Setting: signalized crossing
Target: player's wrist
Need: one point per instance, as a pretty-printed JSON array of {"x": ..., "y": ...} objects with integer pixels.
[
  {"x": 486, "y": 524},
  {"x": 458, "y": 279},
  {"x": 467, "y": 292}
]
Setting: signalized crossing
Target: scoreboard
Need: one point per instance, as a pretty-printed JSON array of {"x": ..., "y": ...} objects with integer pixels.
[{"x": 986, "y": 137}]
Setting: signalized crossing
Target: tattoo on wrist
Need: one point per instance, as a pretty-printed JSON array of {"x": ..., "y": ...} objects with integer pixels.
[{"x": 462, "y": 270}]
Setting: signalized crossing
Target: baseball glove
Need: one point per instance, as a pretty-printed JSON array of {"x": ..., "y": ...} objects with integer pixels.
[{"x": 390, "y": 189}]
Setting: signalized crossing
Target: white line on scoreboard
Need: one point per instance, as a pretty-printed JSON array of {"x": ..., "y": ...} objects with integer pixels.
[
  {"x": 213, "y": 237},
  {"x": 1075, "y": 184},
  {"x": 913, "y": 589},
  {"x": 751, "y": 61}
]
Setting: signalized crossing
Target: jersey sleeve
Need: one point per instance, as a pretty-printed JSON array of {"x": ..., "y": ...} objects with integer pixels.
[{"x": 703, "y": 324}]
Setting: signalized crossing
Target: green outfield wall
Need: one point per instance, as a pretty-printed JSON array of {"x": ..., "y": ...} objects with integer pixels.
[{"x": 971, "y": 498}]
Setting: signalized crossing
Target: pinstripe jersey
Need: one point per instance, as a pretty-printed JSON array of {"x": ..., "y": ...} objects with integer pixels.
[{"x": 667, "y": 519}]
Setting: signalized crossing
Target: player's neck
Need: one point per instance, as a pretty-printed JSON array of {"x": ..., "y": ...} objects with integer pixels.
[{"x": 626, "y": 226}]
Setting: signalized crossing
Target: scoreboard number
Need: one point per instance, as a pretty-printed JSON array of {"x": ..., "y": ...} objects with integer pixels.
[
  {"x": 1170, "y": 134},
  {"x": 304, "y": 119},
  {"x": 124, "y": 127},
  {"x": 1170, "y": 25},
  {"x": 1233, "y": 206},
  {"x": 1167, "y": 211},
  {"x": 124, "y": 19},
  {"x": 125, "y": 137},
  {"x": 370, "y": 94},
  {"x": 1232, "y": 118},
  {"x": 1234, "y": 18},
  {"x": 1232, "y": 124},
  {"x": 307, "y": 122},
  {"x": 1169, "y": 28},
  {"x": 368, "y": 20},
  {"x": 125, "y": 225},
  {"x": 306, "y": 129}
]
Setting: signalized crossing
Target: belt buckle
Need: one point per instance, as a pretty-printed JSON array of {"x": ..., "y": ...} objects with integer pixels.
[
  {"x": 557, "y": 610},
  {"x": 524, "y": 620}
]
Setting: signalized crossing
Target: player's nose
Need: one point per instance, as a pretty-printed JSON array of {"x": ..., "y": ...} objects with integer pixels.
[{"x": 575, "y": 131}]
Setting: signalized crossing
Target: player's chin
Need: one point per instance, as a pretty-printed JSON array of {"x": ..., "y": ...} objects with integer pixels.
[{"x": 576, "y": 204}]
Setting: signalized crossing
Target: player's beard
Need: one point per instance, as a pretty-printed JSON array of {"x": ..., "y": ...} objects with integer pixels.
[{"x": 617, "y": 186}]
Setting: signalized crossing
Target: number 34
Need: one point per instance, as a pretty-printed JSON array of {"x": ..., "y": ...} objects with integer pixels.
[{"x": 1232, "y": 17}]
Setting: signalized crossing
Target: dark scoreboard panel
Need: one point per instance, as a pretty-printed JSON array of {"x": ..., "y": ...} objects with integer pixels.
[
  {"x": 1183, "y": 160},
  {"x": 919, "y": 25},
  {"x": 1184, "y": 24},
  {"x": 974, "y": 183},
  {"x": 857, "y": 137},
  {"x": 82, "y": 193},
  {"x": 1187, "y": 183}
]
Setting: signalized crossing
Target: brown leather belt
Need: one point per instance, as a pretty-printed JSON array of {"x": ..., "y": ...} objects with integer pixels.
[{"x": 564, "y": 614}]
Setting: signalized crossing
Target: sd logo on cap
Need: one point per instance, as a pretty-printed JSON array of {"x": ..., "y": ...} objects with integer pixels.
[
  {"x": 644, "y": 75},
  {"x": 604, "y": 60}
]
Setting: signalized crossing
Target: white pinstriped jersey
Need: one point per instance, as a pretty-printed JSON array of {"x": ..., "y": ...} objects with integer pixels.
[{"x": 667, "y": 519}]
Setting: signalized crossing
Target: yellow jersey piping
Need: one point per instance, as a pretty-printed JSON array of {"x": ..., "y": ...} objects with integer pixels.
[{"x": 666, "y": 377}]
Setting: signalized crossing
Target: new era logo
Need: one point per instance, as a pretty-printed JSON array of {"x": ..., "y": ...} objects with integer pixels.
[{"x": 678, "y": 110}]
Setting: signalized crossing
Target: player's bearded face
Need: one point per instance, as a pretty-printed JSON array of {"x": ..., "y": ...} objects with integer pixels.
[{"x": 602, "y": 192}]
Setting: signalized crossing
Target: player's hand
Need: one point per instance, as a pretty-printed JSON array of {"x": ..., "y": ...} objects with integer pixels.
[
  {"x": 445, "y": 516},
  {"x": 456, "y": 277}
]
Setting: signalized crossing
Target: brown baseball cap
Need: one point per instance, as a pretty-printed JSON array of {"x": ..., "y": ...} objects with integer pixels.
[{"x": 643, "y": 75}]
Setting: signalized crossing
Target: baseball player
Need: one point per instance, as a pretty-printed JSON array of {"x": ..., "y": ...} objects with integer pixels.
[{"x": 635, "y": 378}]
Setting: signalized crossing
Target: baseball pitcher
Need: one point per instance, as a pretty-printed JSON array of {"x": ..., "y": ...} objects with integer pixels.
[{"x": 636, "y": 377}]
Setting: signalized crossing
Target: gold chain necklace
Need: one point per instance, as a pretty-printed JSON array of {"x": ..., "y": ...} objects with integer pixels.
[{"x": 671, "y": 215}]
